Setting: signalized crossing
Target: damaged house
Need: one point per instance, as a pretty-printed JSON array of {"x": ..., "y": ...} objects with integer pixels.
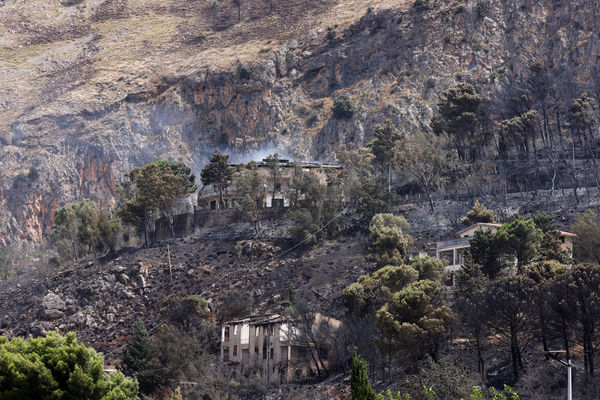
[
  {"x": 208, "y": 196},
  {"x": 279, "y": 349}
]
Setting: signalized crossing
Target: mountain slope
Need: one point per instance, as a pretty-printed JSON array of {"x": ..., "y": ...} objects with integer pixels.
[
  {"x": 100, "y": 299},
  {"x": 92, "y": 90}
]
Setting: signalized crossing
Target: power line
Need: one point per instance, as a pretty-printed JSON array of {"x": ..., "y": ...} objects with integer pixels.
[{"x": 321, "y": 229}]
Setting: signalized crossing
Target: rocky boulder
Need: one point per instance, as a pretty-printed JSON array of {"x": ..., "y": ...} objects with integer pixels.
[
  {"x": 255, "y": 250},
  {"x": 53, "y": 307}
]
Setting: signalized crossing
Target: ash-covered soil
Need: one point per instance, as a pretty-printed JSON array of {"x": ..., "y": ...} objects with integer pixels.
[{"x": 101, "y": 299}]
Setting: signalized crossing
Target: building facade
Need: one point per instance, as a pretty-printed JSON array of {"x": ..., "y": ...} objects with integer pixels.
[
  {"x": 208, "y": 196},
  {"x": 274, "y": 348},
  {"x": 452, "y": 251}
]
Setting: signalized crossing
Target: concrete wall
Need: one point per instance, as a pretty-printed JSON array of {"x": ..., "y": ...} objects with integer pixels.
[{"x": 186, "y": 224}]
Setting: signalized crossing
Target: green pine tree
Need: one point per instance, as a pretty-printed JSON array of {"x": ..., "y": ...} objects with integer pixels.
[
  {"x": 59, "y": 368},
  {"x": 359, "y": 383}
]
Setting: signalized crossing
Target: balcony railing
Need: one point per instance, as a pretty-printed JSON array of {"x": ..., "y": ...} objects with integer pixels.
[
  {"x": 453, "y": 268},
  {"x": 453, "y": 242}
]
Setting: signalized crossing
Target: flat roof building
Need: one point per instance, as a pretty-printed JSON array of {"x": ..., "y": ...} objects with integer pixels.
[
  {"x": 208, "y": 196},
  {"x": 276, "y": 349},
  {"x": 452, "y": 250}
]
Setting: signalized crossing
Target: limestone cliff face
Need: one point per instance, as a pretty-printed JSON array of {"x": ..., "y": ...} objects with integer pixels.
[{"x": 392, "y": 62}]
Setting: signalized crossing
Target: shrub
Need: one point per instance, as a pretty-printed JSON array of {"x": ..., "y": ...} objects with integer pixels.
[
  {"x": 81, "y": 229},
  {"x": 244, "y": 71},
  {"x": 331, "y": 33},
  {"x": 429, "y": 83},
  {"x": 343, "y": 107},
  {"x": 479, "y": 213},
  {"x": 422, "y": 5},
  {"x": 33, "y": 174}
]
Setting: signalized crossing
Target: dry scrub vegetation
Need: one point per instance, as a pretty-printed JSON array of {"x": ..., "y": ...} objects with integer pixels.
[{"x": 94, "y": 52}]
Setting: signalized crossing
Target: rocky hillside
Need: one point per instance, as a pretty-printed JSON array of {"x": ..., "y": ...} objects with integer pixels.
[
  {"x": 93, "y": 88},
  {"x": 100, "y": 299}
]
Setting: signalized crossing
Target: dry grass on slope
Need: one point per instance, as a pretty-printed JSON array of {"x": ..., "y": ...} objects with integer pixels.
[{"x": 95, "y": 52}]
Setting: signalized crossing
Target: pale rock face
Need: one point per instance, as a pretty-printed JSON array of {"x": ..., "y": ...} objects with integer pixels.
[
  {"x": 83, "y": 136},
  {"x": 53, "y": 306}
]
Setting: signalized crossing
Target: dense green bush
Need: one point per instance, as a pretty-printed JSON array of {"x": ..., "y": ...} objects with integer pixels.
[
  {"x": 81, "y": 229},
  {"x": 479, "y": 213},
  {"x": 56, "y": 368},
  {"x": 389, "y": 243}
]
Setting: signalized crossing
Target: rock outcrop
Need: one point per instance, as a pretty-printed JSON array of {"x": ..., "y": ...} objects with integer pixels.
[
  {"x": 87, "y": 124},
  {"x": 53, "y": 307}
]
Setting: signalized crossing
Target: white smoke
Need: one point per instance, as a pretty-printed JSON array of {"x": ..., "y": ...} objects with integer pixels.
[{"x": 258, "y": 155}]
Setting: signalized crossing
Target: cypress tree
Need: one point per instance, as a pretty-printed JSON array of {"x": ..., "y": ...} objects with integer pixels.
[
  {"x": 136, "y": 355},
  {"x": 359, "y": 383}
]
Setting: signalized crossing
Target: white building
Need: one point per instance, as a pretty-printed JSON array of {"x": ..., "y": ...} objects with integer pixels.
[{"x": 453, "y": 250}]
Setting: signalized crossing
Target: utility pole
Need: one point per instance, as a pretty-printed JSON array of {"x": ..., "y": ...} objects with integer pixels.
[
  {"x": 170, "y": 267},
  {"x": 569, "y": 366},
  {"x": 569, "y": 380},
  {"x": 268, "y": 351}
]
